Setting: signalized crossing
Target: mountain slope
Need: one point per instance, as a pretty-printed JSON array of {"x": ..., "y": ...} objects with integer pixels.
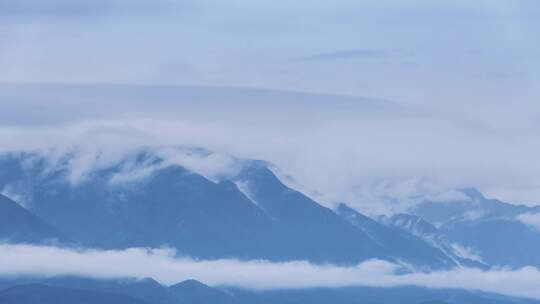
[
  {"x": 306, "y": 224},
  {"x": 146, "y": 201},
  {"x": 399, "y": 243},
  {"x": 147, "y": 290},
  {"x": 378, "y": 295},
  {"x": 18, "y": 225},
  {"x": 470, "y": 205},
  {"x": 420, "y": 228},
  {"x": 42, "y": 294},
  {"x": 88, "y": 291},
  {"x": 195, "y": 292},
  {"x": 490, "y": 228},
  {"x": 172, "y": 206}
]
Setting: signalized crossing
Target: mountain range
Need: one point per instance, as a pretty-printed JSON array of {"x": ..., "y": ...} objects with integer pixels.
[
  {"x": 486, "y": 230},
  {"x": 173, "y": 206},
  {"x": 145, "y": 200},
  {"x": 75, "y": 290}
]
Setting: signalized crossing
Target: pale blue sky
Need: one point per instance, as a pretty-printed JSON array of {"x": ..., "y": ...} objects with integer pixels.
[{"x": 412, "y": 51}]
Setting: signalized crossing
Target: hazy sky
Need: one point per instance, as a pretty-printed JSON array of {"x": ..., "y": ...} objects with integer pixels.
[
  {"x": 452, "y": 52},
  {"x": 460, "y": 80}
]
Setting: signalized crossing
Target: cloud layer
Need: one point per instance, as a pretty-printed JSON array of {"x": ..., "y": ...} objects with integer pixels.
[
  {"x": 348, "y": 54},
  {"x": 161, "y": 264},
  {"x": 66, "y": 8},
  {"x": 163, "y": 41},
  {"x": 478, "y": 123},
  {"x": 375, "y": 155}
]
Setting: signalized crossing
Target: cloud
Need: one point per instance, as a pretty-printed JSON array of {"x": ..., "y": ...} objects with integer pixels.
[
  {"x": 467, "y": 253},
  {"x": 79, "y": 162},
  {"x": 347, "y": 54},
  {"x": 115, "y": 42},
  {"x": 163, "y": 265},
  {"x": 213, "y": 166},
  {"x": 531, "y": 219},
  {"x": 66, "y": 8},
  {"x": 447, "y": 196},
  {"x": 377, "y": 156}
]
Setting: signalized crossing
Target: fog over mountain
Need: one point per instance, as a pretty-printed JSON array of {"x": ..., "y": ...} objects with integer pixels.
[
  {"x": 184, "y": 152},
  {"x": 369, "y": 153},
  {"x": 225, "y": 220}
]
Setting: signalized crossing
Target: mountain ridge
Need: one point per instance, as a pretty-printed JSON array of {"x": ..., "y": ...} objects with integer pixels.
[{"x": 171, "y": 205}]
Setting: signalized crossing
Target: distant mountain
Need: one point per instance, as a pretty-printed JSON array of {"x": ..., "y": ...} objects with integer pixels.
[
  {"x": 43, "y": 294},
  {"x": 171, "y": 205},
  {"x": 470, "y": 205},
  {"x": 375, "y": 295},
  {"x": 148, "y": 289},
  {"x": 489, "y": 228},
  {"x": 195, "y": 292},
  {"x": 420, "y": 228},
  {"x": 88, "y": 291},
  {"x": 145, "y": 201},
  {"x": 18, "y": 225},
  {"x": 399, "y": 242}
]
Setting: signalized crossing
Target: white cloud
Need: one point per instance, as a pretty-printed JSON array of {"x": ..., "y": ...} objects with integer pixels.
[
  {"x": 531, "y": 219},
  {"x": 447, "y": 196},
  {"x": 467, "y": 253},
  {"x": 162, "y": 265},
  {"x": 376, "y": 156},
  {"x": 211, "y": 165},
  {"x": 360, "y": 163},
  {"x": 133, "y": 172},
  {"x": 473, "y": 215}
]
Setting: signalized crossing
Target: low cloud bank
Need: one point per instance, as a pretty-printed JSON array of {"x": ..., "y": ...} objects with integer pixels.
[
  {"x": 379, "y": 157},
  {"x": 378, "y": 177},
  {"x": 163, "y": 265}
]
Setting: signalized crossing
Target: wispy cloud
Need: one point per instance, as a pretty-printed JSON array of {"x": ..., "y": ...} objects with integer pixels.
[
  {"x": 163, "y": 265},
  {"x": 531, "y": 219},
  {"x": 347, "y": 54},
  {"x": 66, "y": 8},
  {"x": 344, "y": 148}
]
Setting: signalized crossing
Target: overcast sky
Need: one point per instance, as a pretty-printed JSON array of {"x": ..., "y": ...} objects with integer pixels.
[
  {"x": 456, "y": 51},
  {"x": 452, "y": 86}
]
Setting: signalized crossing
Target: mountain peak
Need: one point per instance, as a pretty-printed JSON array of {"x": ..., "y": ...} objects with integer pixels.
[
  {"x": 190, "y": 284},
  {"x": 194, "y": 292},
  {"x": 473, "y": 193}
]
